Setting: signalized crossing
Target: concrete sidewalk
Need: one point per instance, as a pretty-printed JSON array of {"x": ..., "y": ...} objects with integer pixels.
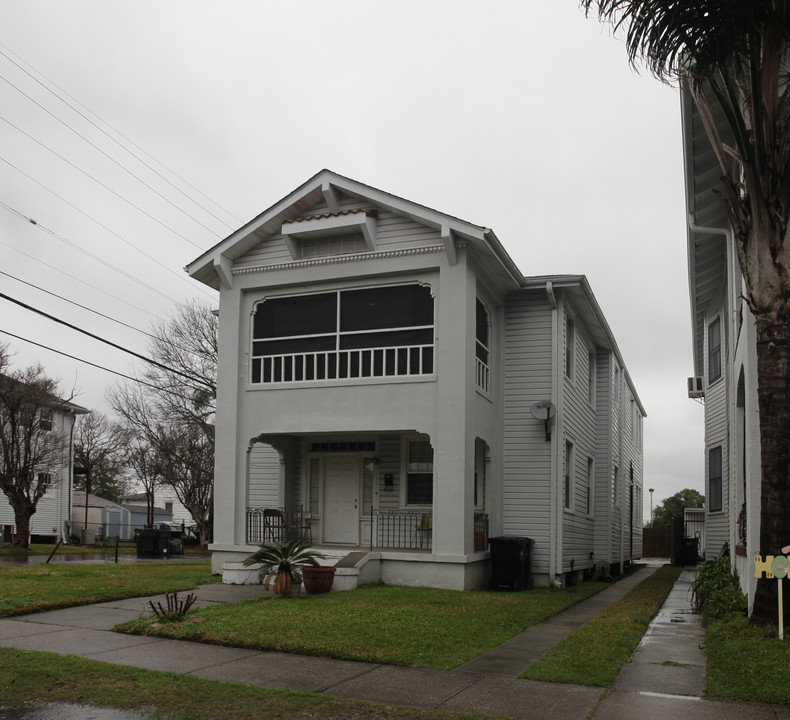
[{"x": 647, "y": 687}]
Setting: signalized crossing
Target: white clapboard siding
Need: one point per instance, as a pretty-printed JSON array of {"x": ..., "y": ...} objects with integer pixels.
[
  {"x": 527, "y": 454},
  {"x": 265, "y": 468},
  {"x": 717, "y": 530}
]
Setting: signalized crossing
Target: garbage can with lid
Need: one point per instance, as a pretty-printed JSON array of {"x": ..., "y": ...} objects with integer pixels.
[{"x": 511, "y": 562}]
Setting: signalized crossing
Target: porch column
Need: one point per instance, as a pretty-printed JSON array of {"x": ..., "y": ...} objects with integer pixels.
[
  {"x": 230, "y": 480},
  {"x": 453, "y": 440}
]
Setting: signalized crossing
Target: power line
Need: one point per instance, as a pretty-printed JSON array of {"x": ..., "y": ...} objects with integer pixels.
[
  {"x": 84, "y": 307},
  {"x": 108, "y": 156},
  {"x": 151, "y": 361},
  {"x": 71, "y": 244},
  {"x": 180, "y": 276},
  {"x": 100, "y": 183},
  {"x": 79, "y": 280},
  {"x": 119, "y": 133},
  {"x": 92, "y": 364}
]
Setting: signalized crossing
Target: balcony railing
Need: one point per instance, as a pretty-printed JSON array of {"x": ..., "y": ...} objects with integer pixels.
[
  {"x": 277, "y": 524},
  {"x": 412, "y": 530},
  {"x": 482, "y": 373},
  {"x": 402, "y": 361}
]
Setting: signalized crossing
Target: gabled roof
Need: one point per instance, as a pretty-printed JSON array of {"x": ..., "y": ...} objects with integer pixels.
[
  {"x": 78, "y": 500},
  {"x": 212, "y": 267},
  {"x": 584, "y": 302},
  {"x": 49, "y": 400}
]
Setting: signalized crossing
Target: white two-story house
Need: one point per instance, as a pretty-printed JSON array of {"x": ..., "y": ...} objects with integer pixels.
[
  {"x": 391, "y": 384},
  {"x": 725, "y": 361},
  {"x": 51, "y": 520}
]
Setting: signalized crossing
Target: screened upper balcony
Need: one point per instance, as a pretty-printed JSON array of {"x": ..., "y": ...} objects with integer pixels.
[{"x": 374, "y": 332}]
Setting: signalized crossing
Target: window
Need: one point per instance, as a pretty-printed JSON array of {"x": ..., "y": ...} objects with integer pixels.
[
  {"x": 45, "y": 419},
  {"x": 314, "y": 473},
  {"x": 169, "y": 507},
  {"x": 591, "y": 378},
  {"x": 482, "y": 348},
  {"x": 714, "y": 479},
  {"x": 367, "y": 332},
  {"x": 615, "y": 485},
  {"x": 45, "y": 480},
  {"x": 588, "y": 486},
  {"x": 568, "y": 490},
  {"x": 481, "y": 460},
  {"x": 714, "y": 350},
  {"x": 419, "y": 473},
  {"x": 570, "y": 342}
]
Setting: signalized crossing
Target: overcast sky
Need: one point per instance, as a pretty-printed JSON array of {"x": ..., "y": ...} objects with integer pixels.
[{"x": 519, "y": 116}]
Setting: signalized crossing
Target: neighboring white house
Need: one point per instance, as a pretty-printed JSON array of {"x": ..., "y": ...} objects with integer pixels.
[
  {"x": 386, "y": 369},
  {"x": 165, "y": 499},
  {"x": 51, "y": 519},
  {"x": 725, "y": 362},
  {"x": 105, "y": 519}
]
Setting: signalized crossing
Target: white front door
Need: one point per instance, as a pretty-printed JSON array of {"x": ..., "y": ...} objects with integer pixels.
[{"x": 341, "y": 499}]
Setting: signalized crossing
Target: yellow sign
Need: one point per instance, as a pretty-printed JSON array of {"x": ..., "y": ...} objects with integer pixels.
[{"x": 773, "y": 566}]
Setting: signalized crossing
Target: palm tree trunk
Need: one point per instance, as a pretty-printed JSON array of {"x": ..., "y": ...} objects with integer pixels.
[{"x": 773, "y": 370}]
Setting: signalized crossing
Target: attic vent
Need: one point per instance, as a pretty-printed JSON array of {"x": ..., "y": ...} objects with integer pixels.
[
  {"x": 696, "y": 387},
  {"x": 333, "y": 245},
  {"x": 352, "y": 446}
]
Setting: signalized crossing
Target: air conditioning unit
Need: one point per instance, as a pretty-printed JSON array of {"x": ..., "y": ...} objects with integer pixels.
[{"x": 696, "y": 387}]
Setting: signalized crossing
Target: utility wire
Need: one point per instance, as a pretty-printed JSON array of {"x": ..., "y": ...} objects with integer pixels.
[
  {"x": 99, "y": 182},
  {"x": 108, "y": 156},
  {"x": 84, "y": 307},
  {"x": 119, "y": 133},
  {"x": 151, "y": 361},
  {"x": 71, "y": 244},
  {"x": 90, "y": 310},
  {"x": 79, "y": 280},
  {"x": 100, "y": 367},
  {"x": 181, "y": 276}
]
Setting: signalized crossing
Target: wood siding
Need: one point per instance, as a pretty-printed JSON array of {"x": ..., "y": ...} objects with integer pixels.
[{"x": 527, "y": 453}]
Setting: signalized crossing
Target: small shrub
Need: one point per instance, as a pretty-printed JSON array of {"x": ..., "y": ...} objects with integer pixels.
[
  {"x": 176, "y": 609},
  {"x": 717, "y": 592}
]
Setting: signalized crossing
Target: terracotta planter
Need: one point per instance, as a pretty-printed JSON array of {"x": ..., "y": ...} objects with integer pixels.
[{"x": 317, "y": 580}]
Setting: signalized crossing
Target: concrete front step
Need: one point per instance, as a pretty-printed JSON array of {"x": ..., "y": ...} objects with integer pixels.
[{"x": 346, "y": 575}]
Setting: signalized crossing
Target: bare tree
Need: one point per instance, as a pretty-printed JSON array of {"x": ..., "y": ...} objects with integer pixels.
[
  {"x": 99, "y": 457},
  {"x": 143, "y": 460},
  {"x": 172, "y": 412},
  {"x": 32, "y": 448}
]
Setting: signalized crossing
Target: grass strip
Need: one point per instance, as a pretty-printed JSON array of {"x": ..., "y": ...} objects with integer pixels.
[
  {"x": 422, "y": 627},
  {"x": 37, "y": 677},
  {"x": 35, "y": 588},
  {"x": 746, "y": 662},
  {"x": 594, "y": 653}
]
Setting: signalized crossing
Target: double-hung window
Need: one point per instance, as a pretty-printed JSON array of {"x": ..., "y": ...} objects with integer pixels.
[
  {"x": 714, "y": 350},
  {"x": 345, "y": 334},
  {"x": 715, "y": 479},
  {"x": 419, "y": 473},
  {"x": 482, "y": 346}
]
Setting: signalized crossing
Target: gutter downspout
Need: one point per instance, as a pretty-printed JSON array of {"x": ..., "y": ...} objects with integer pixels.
[
  {"x": 555, "y": 529},
  {"x": 729, "y": 368}
]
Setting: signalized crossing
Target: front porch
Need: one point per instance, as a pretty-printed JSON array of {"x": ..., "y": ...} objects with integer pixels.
[{"x": 388, "y": 529}]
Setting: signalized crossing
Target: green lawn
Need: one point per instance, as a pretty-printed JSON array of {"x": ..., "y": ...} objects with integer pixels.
[
  {"x": 746, "y": 662},
  {"x": 34, "y": 588},
  {"x": 423, "y": 627},
  {"x": 594, "y": 653},
  {"x": 37, "y": 677}
]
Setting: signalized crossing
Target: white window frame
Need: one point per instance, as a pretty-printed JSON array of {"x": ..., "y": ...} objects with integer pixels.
[
  {"x": 570, "y": 346},
  {"x": 709, "y": 351},
  {"x": 569, "y": 480},
  {"x": 404, "y": 485}
]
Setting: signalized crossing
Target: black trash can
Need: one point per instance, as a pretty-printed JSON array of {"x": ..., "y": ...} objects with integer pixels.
[
  {"x": 151, "y": 543},
  {"x": 511, "y": 563}
]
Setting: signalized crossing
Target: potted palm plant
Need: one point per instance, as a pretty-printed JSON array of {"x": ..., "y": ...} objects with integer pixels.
[{"x": 283, "y": 562}]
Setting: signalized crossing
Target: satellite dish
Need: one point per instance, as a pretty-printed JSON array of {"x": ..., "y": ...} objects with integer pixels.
[{"x": 544, "y": 410}]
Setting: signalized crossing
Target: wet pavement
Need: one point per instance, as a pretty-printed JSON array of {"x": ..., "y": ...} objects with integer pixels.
[
  {"x": 664, "y": 679},
  {"x": 67, "y": 711}
]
